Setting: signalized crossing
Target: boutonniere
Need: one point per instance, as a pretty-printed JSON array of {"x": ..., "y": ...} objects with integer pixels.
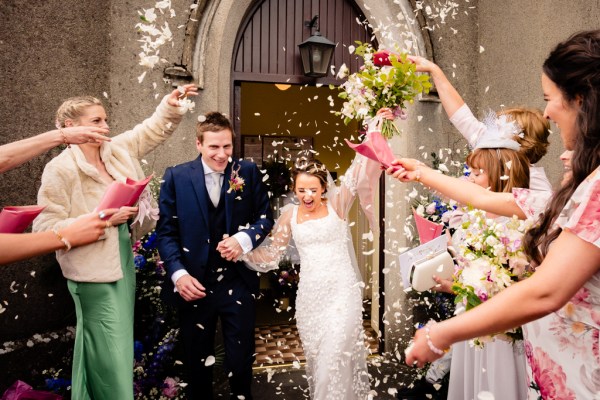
[{"x": 236, "y": 182}]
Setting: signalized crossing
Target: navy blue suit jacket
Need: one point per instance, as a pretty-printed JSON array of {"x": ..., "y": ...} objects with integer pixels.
[{"x": 183, "y": 231}]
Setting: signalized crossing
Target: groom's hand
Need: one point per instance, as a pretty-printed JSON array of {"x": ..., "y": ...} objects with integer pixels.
[
  {"x": 230, "y": 249},
  {"x": 190, "y": 288}
]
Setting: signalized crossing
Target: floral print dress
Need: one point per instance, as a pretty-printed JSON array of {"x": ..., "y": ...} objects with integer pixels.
[{"x": 563, "y": 348}]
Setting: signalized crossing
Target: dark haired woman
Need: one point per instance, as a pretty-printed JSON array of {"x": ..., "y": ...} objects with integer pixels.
[
  {"x": 560, "y": 302},
  {"x": 329, "y": 302}
]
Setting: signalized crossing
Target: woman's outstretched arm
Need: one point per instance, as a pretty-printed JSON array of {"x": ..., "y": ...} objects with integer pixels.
[
  {"x": 86, "y": 229},
  {"x": 461, "y": 190},
  {"x": 547, "y": 290},
  {"x": 16, "y": 153}
]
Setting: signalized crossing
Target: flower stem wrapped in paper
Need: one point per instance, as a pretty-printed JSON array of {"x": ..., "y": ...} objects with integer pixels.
[
  {"x": 490, "y": 259},
  {"x": 386, "y": 80}
]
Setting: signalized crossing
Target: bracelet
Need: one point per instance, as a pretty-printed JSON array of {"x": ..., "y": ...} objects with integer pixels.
[
  {"x": 64, "y": 137},
  {"x": 430, "y": 343},
  {"x": 62, "y": 239}
]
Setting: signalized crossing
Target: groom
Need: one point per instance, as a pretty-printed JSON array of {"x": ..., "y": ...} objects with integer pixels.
[{"x": 212, "y": 211}]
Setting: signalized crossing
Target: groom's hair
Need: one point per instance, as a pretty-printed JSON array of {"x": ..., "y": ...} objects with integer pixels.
[{"x": 213, "y": 121}]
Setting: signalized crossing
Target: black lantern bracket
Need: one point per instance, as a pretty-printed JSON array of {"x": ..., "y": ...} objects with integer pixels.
[
  {"x": 312, "y": 23},
  {"x": 316, "y": 52}
]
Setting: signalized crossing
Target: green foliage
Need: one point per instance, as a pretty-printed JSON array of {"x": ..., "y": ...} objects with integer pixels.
[{"x": 374, "y": 87}]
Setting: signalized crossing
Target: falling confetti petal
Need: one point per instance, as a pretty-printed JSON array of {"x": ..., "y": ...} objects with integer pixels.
[{"x": 210, "y": 360}]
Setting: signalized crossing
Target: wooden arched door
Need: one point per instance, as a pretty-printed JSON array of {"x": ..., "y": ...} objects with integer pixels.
[
  {"x": 266, "y": 46},
  {"x": 266, "y": 55}
]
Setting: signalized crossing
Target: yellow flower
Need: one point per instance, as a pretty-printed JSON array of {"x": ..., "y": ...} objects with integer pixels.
[
  {"x": 569, "y": 309},
  {"x": 577, "y": 327}
]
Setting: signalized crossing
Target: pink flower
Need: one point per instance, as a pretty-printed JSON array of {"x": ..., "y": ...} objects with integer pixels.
[
  {"x": 548, "y": 375},
  {"x": 170, "y": 388},
  {"x": 581, "y": 298},
  {"x": 236, "y": 182},
  {"x": 585, "y": 222},
  {"x": 430, "y": 209}
]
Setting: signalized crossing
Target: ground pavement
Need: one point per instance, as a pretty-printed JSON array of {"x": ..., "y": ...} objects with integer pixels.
[{"x": 289, "y": 382}]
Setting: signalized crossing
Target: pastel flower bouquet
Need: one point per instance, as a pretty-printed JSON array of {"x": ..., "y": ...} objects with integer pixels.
[
  {"x": 386, "y": 80},
  {"x": 434, "y": 208},
  {"x": 490, "y": 259}
]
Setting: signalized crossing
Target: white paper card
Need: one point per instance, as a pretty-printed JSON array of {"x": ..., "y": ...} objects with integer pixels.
[{"x": 409, "y": 257}]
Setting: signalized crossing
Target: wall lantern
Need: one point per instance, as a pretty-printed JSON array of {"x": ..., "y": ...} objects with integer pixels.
[{"x": 316, "y": 52}]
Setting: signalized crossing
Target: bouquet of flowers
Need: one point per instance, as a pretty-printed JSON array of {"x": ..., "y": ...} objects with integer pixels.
[
  {"x": 434, "y": 208},
  {"x": 490, "y": 259},
  {"x": 385, "y": 80}
]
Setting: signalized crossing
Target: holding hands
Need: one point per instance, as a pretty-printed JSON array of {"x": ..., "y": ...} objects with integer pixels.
[{"x": 230, "y": 248}]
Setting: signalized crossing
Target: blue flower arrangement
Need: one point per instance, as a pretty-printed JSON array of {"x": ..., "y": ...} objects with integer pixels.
[{"x": 155, "y": 371}]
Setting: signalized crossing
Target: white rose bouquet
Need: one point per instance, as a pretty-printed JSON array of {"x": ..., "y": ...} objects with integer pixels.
[
  {"x": 490, "y": 259},
  {"x": 385, "y": 80}
]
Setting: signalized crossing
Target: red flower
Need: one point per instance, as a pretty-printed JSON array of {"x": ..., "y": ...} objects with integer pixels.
[{"x": 382, "y": 58}]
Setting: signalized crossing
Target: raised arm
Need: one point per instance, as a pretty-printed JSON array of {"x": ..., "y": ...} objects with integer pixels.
[
  {"x": 16, "y": 153},
  {"x": 459, "y": 113},
  {"x": 460, "y": 190},
  {"x": 153, "y": 131},
  {"x": 451, "y": 100},
  {"x": 359, "y": 179}
]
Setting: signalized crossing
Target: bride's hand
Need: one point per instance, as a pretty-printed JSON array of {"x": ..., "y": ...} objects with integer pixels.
[{"x": 386, "y": 113}]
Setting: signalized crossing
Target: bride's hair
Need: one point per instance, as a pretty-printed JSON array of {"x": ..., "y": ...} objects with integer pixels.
[{"x": 313, "y": 168}]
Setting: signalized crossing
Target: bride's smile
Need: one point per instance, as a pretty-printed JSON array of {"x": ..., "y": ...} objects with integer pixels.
[{"x": 309, "y": 192}]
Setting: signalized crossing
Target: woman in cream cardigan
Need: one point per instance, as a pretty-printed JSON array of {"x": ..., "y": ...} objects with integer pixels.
[{"x": 101, "y": 275}]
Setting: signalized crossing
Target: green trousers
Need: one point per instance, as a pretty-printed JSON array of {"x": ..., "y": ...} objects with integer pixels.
[{"x": 103, "y": 355}]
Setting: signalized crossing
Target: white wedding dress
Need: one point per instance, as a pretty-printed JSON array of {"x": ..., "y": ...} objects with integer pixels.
[
  {"x": 329, "y": 310},
  {"x": 329, "y": 299}
]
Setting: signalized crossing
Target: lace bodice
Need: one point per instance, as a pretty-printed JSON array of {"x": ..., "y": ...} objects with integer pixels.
[{"x": 316, "y": 241}]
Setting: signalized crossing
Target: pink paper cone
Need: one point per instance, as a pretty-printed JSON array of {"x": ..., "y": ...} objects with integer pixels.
[
  {"x": 15, "y": 219},
  {"x": 375, "y": 147},
  {"x": 428, "y": 230}
]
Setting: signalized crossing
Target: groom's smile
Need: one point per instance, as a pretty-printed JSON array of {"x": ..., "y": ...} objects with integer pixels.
[{"x": 216, "y": 148}]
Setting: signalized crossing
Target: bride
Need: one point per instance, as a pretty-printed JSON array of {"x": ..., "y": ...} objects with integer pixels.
[{"x": 329, "y": 300}]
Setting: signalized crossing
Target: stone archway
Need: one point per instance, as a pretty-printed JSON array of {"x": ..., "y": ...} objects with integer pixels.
[{"x": 214, "y": 49}]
